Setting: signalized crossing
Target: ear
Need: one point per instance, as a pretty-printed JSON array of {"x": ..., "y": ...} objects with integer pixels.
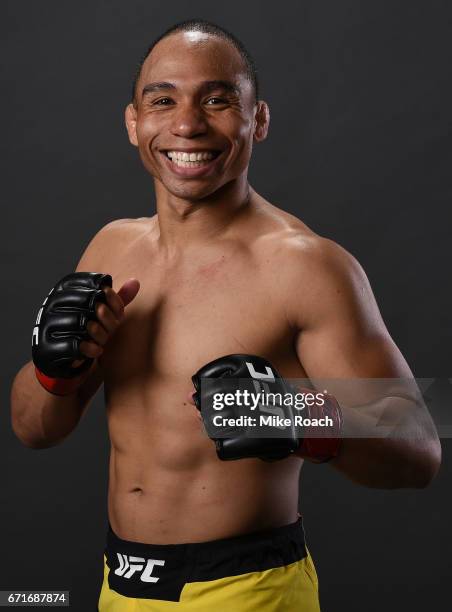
[
  {"x": 261, "y": 121},
  {"x": 131, "y": 123}
]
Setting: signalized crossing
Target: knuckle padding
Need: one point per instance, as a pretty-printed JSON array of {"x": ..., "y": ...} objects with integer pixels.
[
  {"x": 64, "y": 320},
  {"x": 84, "y": 280},
  {"x": 63, "y": 351},
  {"x": 70, "y": 299}
]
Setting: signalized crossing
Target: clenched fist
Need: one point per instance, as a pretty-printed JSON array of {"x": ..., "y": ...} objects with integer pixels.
[{"x": 73, "y": 325}]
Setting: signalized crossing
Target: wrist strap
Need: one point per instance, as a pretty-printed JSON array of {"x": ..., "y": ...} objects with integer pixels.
[
  {"x": 60, "y": 386},
  {"x": 321, "y": 450}
]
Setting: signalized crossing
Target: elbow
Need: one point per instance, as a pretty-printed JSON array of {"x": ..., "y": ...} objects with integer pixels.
[
  {"x": 429, "y": 468},
  {"x": 35, "y": 444},
  {"x": 29, "y": 441}
]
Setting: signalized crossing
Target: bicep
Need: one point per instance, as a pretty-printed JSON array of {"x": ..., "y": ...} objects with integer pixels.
[{"x": 339, "y": 350}]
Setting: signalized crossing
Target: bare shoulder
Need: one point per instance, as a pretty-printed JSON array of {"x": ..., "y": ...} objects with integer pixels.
[
  {"x": 319, "y": 257},
  {"x": 300, "y": 250},
  {"x": 125, "y": 227},
  {"x": 319, "y": 278},
  {"x": 112, "y": 238},
  {"x": 325, "y": 281}
]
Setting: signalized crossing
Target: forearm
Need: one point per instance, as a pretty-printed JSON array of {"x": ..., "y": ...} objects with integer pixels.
[
  {"x": 402, "y": 450},
  {"x": 40, "y": 419}
]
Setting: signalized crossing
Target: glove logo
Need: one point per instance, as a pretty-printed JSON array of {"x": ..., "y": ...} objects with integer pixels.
[
  {"x": 264, "y": 388},
  {"x": 129, "y": 565},
  {"x": 35, "y": 336},
  {"x": 267, "y": 376}
]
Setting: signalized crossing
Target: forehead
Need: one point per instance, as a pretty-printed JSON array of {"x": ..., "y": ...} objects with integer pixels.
[{"x": 194, "y": 56}]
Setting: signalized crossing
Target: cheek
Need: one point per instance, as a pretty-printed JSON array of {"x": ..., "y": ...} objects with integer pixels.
[
  {"x": 147, "y": 129},
  {"x": 144, "y": 133},
  {"x": 245, "y": 131},
  {"x": 243, "y": 138}
]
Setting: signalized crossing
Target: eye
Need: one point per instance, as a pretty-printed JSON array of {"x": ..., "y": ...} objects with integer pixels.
[
  {"x": 213, "y": 101},
  {"x": 163, "y": 102}
]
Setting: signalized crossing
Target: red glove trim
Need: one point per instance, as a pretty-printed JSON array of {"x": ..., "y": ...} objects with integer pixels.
[
  {"x": 320, "y": 450},
  {"x": 60, "y": 386}
]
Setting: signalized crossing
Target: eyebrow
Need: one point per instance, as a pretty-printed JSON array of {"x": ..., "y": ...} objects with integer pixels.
[{"x": 206, "y": 86}]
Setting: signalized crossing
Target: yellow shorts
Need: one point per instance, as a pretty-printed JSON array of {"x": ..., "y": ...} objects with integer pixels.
[{"x": 266, "y": 571}]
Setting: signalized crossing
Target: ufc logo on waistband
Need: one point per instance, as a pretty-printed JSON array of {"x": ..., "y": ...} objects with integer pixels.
[{"x": 128, "y": 566}]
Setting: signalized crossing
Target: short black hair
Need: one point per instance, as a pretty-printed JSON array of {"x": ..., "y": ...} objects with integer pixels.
[{"x": 206, "y": 27}]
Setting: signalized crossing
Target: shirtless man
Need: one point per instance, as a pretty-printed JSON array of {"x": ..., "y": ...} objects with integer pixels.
[{"x": 217, "y": 271}]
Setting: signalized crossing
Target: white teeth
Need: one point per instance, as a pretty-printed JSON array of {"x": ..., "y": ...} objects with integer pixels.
[
  {"x": 181, "y": 156},
  {"x": 189, "y": 164}
]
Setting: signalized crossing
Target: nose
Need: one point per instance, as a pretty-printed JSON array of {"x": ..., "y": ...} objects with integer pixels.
[{"x": 188, "y": 121}]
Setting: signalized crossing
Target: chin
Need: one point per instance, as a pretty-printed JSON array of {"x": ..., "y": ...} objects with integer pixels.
[{"x": 192, "y": 194}]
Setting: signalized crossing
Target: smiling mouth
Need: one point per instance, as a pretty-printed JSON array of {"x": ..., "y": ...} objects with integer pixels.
[{"x": 191, "y": 159}]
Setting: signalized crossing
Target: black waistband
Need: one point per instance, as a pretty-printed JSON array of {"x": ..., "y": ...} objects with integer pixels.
[{"x": 159, "y": 571}]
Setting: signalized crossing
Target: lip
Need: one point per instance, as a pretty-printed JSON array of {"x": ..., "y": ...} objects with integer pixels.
[{"x": 191, "y": 172}]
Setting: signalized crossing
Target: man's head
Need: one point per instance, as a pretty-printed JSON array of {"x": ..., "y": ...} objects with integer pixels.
[
  {"x": 203, "y": 27},
  {"x": 195, "y": 94}
]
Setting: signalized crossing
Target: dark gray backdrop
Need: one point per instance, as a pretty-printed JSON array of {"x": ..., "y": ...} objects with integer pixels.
[{"x": 359, "y": 148}]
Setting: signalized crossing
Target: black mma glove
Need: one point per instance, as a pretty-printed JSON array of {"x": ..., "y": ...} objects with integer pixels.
[
  {"x": 60, "y": 327},
  {"x": 257, "y": 374}
]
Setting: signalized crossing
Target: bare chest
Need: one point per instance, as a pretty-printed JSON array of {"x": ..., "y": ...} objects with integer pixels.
[{"x": 183, "y": 318}]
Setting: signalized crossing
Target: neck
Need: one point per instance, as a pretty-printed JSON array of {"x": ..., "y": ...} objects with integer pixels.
[{"x": 182, "y": 222}]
